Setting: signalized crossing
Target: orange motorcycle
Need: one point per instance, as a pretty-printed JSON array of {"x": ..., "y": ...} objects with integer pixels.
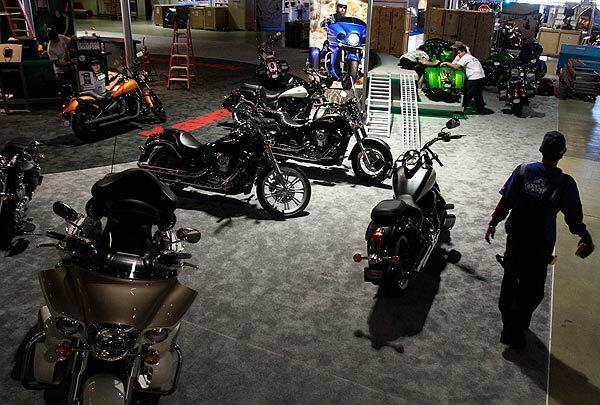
[{"x": 128, "y": 99}]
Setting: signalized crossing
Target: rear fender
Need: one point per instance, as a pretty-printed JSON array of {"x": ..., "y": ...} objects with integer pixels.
[
  {"x": 78, "y": 102},
  {"x": 158, "y": 141}
]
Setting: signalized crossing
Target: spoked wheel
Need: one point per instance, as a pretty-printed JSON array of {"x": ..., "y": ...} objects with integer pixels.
[
  {"x": 284, "y": 200},
  {"x": 81, "y": 127},
  {"x": 158, "y": 109},
  {"x": 373, "y": 165}
]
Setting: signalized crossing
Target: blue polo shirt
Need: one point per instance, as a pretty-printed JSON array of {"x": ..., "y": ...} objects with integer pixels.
[{"x": 532, "y": 214}]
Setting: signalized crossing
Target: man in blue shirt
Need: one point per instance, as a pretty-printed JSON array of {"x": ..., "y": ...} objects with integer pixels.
[{"x": 533, "y": 195}]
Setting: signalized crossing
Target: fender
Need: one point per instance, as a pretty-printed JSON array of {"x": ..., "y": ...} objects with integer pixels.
[
  {"x": 352, "y": 55},
  {"x": 372, "y": 141},
  {"x": 161, "y": 140},
  {"x": 103, "y": 389}
]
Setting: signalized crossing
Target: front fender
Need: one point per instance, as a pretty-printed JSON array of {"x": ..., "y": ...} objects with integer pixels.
[
  {"x": 267, "y": 168},
  {"x": 353, "y": 54},
  {"x": 104, "y": 389}
]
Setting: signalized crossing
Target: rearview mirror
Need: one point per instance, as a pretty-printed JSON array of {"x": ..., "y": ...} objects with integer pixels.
[
  {"x": 189, "y": 235},
  {"x": 64, "y": 211},
  {"x": 452, "y": 123}
]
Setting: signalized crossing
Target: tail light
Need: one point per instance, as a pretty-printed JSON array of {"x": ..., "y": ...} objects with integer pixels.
[
  {"x": 63, "y": 349},
  {"x": 152, "y": 358},
  {"x": 394, "y": 260},
  {"x": 357, "y": 257},
  {"x": 377, "y": 238}
]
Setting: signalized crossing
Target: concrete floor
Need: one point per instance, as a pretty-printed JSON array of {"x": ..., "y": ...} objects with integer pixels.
[{"x": 575, "y": 362}]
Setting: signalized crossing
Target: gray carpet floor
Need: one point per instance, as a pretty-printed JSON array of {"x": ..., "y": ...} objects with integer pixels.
[{"x": 280, "y": 301}]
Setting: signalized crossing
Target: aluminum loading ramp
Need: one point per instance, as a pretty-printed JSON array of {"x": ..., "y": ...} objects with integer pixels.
[
  {"x": 409, "y": 124},
  {"x": 379, "y": 105}
]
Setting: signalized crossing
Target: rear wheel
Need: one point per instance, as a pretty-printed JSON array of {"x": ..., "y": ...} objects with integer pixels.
[
  {"x": 283, "y": 201},
  {"x": 164, "y": 157},
  {"x": 81, "y": 127}
]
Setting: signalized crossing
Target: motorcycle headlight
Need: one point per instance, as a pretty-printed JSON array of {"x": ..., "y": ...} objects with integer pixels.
[
  {"x": 353, "y": 39},
  {"x": 113, "y": 342},
  {"x": 68, "y": 326},
  {"x": 157, "y": 335}
]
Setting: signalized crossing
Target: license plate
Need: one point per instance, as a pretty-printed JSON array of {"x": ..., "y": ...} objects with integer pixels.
[
  {"x": 67, "y": 123},
  {"x": 516, "y": 100}
]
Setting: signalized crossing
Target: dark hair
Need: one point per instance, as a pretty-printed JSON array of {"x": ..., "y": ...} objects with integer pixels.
[
  {"x": 460, "y": 48},
  {"x": 52, "y": 34},
  {"x": 553, "y": 146}
]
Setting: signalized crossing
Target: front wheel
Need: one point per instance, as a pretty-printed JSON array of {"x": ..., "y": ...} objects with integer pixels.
[
  {"x": 157, "y": 108},
  {"x": 517, "y": 109},
  {"x": 351, "y": 74},
  {"x": 287, "y": 198},
  {"x": 373, "y": 165},
  {"x": 81, "y": 127}
]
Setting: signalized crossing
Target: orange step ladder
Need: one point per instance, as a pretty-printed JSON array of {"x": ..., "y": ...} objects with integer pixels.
[
  {"x": 182, "y": 60},
  {"x": 19, "y": 19}
]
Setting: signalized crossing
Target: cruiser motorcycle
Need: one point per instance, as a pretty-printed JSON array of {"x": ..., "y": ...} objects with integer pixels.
[
  {"x": 270, "y": 68},
  {"x": 20, "y": 175},
  {"x": 296, "y": 99},
  {"x": 113, "y": 304},
  {"x": 342, "y": 51},
  {"x": 230, "y": 165},
  {"x": 404, "y": 231},
  {"x": 520, "y": 87},
  {"x": 324, "y": 139},
  {"x": 129, "y": 99}
]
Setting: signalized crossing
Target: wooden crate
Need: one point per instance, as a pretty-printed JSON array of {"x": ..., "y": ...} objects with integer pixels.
[
  {"x": 216, "y": 18},
  {"x": 197, "y": 18},
  {"x": 389, "y": 30}
]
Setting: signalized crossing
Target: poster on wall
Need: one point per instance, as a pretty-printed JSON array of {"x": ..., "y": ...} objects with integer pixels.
[{"x": 338, "y": 38}]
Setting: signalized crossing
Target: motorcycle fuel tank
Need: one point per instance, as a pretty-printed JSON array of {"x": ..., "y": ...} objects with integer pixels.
[
  {"x": 295, "y": 92},
  {"x": 123, "y": 88},
  {"x": 415, "y": 183}
]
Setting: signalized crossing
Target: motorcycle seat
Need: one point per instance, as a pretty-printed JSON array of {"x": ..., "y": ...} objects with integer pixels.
[
  {"x": 189, "y": 141},
  {"x": 389, "y": 211},
  {"x": 263, "y": 93},
  {"x": 100, "y": 98}
]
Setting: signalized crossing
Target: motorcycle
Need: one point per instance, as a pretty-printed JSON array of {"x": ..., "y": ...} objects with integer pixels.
[
  {"x": 442, "y": 83},
  {"x": 496, "y": 66},
  {"x": 520, "y": 87},
  {"x": 324, "y": 139},
  {"x": 114, "y": 306},
  {"x": 296, "y": 99},
  {"x": 130, "y": 99},
  {"x": 270, "y": 68},
  {"x": 404, "y": 230},
  {"x": 20, "y": 175},
  {"x": 230, "y": 165},
  {"x": 531, "y": 53},
  {"x": 342, "y": 52}
]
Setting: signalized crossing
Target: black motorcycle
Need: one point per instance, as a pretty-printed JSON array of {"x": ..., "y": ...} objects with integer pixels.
[
  {"x": 296, "y": 98},
  {"x": 404, "y": 231},
  {"x": 20, "y": 175},
  {"x": 230, "y": 165},
  {"x": 520, "y": 87},
  {"x": 271, "y": 68},
  {"x": 324, "y": 139}
]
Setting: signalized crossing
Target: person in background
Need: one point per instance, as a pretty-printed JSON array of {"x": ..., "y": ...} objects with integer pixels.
[
  {"x": 533, "y": 195},
  {"x": 475, "y": 78},
  {"x": 58, "y": 53},
  {"x": 416, "y": 60},
  {"x": 341, "y": 8}
]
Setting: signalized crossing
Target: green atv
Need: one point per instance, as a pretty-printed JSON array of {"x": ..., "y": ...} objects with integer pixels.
[
  {"x": 438, "y": 50},
  {"x": 443, "y": 83}
]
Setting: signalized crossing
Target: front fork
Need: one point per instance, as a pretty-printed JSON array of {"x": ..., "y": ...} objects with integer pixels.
[
  {"x": 279, "y": 174},
  {"x": 359, "y": 138},
  {"x": 78, "y": 368}
]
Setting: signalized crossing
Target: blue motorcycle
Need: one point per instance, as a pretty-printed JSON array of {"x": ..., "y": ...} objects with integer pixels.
[{"x": 342, "y": 51}]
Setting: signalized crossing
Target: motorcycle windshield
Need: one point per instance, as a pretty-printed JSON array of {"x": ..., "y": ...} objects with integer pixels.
[{"x": 91, "y": 297}]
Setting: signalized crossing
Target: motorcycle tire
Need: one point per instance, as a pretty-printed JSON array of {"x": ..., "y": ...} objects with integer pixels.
[
  {"x": 268, "y": 183},
  {"x": 517, "y": 109},
  {"x": 81, "y": 129},
  {"x": 158, "y": 110},
  {"x": 384, "y": 158},
  {"x": 542, "y": 70},
  {"x": 165, "y": 158},
  {"x": 351, "y": 75}
]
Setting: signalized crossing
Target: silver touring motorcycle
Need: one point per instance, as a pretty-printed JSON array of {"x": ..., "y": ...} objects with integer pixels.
[{"x": 107, "y": 332}]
